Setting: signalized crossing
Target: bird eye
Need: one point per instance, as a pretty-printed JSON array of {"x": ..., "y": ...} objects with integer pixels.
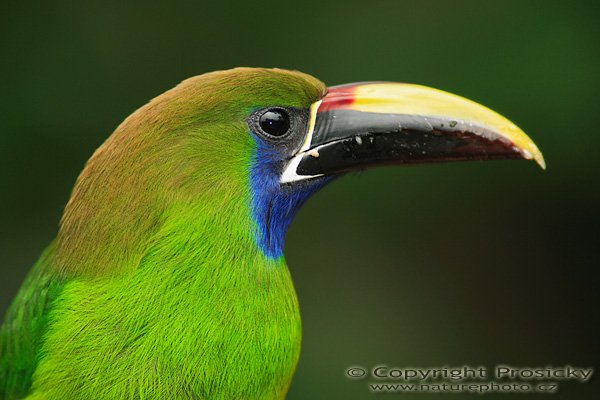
[{"x": 275, "y": 122}]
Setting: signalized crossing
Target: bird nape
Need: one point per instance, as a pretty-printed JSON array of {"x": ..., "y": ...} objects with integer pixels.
[{"x": 167, "y": 278}]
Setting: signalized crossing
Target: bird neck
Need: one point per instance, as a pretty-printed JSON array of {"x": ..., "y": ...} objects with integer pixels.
[{"x": 204, "y": 297}]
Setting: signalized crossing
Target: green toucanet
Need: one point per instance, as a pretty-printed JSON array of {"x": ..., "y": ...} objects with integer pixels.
[{"x": 167, "y": 279}]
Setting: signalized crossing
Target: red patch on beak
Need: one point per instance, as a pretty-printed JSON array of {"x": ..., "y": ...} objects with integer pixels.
[{"x": 338, "y": 97}]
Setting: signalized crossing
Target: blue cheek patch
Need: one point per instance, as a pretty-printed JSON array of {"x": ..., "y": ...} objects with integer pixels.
[{"x": 273, "y": 205}]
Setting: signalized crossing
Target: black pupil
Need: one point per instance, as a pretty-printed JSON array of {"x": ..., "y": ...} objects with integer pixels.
[{"x": 275, "y": 122}]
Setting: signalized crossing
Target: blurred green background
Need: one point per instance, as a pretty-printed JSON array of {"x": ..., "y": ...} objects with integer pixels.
[{"x": 474, "y": 263}]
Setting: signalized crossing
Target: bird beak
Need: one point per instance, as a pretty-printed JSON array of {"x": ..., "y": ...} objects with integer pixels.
[{"x": 362, "y": 125}]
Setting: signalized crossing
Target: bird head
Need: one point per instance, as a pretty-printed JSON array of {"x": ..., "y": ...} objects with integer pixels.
[{"x": 254, "y": 144}]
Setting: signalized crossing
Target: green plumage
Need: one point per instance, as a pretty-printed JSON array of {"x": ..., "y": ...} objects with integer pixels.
[
  {"x": 24, "y": 327},
  {"x": 155, "y": 287}
]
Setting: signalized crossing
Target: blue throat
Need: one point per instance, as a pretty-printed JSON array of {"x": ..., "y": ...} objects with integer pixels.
[{"x": 275, "y": 205}]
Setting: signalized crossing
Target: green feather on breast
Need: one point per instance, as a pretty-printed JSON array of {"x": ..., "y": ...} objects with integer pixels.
[{"x": 25, "y": 323}]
